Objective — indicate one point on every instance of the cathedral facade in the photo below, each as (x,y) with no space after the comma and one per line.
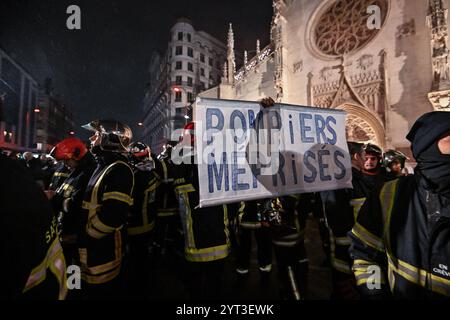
(385,62)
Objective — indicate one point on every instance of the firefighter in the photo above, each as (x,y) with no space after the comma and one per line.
(341,208)
(206,233)
(106,205)
(249,224)
(168,235)
(33,264)
(141,221)
(394,162)
(287,217)
(68,198)
(61,173)
(374,174)
(400,242)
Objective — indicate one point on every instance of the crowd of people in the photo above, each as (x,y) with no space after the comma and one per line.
(111,206)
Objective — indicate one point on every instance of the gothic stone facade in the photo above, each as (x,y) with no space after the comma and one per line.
(384,69)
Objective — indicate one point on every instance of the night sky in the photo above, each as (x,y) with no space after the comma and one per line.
(102,69)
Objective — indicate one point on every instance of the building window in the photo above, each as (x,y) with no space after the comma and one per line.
(177,96)
(178,65)
(190,96)
(179,111)
(210,61)
(178,80)
(202,85)
(190,52)
(202,72)
(179,50)
(180,36)
(190,67)
(218,65)
(189,81)
(202,57)
(189,37)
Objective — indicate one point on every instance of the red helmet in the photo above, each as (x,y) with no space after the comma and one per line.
(189,132)
(70,148)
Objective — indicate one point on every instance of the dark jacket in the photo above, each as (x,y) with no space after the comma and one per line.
(32,263)
(106,206)
(205,229)
(403,230)
(69,196)
(143,212)
(341,208)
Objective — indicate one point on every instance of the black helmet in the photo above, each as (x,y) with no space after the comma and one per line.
(373,148)
(392,155)
(116,136)
(139,151)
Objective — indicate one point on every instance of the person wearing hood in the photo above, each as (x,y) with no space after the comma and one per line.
(401,240)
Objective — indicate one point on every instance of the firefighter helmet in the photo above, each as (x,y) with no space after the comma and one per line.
(116,136)
(70,148)
(373,149)
(391,155)
(139,152)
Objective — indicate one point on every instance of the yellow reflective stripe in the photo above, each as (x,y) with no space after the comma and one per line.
(207,254)
(141,229)
(182,192)
(357,203)
(60,174)
(339,265)
(100,226)
(368,238)
(150,189)
(250,225)
(373,280)
(225,221)
(167,213)
(54,260)
(119,196)
(106,267)
(99,279)
(387,196)
(91,231)
(241,208)
(104,272)
(419,276)
(342,241)
(185,188)
(88,206)
(359,269)
(164,166)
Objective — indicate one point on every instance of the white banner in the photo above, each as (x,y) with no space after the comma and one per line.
(247,152)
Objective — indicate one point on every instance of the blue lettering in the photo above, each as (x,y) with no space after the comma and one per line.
(280,172)
(291,129)
(323,166)
(210,112)
(251,118)
(294,169)
(217,174)
(312,178)
(237,171)
(340,165)
(320,127)
(331,130)
(304,128)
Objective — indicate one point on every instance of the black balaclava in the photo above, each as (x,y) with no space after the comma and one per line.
(435,168)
